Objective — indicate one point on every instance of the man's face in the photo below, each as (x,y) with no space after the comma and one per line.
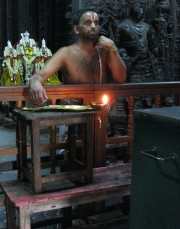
(89,26)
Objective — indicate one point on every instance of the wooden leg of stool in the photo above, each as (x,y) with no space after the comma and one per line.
(88,144)
(72,145)
(10,214)
(24,219)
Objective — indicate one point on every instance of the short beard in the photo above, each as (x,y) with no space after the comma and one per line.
(88,37)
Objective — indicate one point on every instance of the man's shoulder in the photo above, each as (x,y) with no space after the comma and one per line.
(68,49)
(64,49)
(63,52)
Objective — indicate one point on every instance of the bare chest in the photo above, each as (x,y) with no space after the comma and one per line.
(84,69)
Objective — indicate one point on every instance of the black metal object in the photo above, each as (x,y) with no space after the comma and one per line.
(153,154)
(155,178)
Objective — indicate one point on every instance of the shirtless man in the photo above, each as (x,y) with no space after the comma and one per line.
(86,61)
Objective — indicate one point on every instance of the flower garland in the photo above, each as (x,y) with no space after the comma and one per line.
(43,55)
(45,52)
(25,59)
(10,59)
(28,52)
(30,45)
(14,70)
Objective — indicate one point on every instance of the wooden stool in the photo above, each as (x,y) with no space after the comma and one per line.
(72,167)
(108,182)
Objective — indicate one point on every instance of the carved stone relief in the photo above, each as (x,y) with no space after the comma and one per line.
(145,39)
(143,31)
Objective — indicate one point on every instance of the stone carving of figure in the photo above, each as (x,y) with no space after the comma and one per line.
(163,24)
(115,11)
(10,67)
(27,50)
(138,45)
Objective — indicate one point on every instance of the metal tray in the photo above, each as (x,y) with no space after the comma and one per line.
(59,107)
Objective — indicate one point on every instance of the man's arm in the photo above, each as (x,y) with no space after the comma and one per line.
(114,61)
(116,65)
(37,91)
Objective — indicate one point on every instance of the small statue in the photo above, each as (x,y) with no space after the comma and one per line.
(27,51)
(26,59)
(10,67)
(44,55)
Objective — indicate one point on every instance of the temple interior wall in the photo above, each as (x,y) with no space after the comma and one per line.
(52,20)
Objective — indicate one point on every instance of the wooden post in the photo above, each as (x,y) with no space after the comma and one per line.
(130,127)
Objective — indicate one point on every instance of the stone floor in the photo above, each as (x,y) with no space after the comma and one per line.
(8,138)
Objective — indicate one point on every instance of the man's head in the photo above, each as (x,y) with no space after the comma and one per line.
(79,13)
(86,24)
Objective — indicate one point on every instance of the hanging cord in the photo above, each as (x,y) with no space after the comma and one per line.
(100,65)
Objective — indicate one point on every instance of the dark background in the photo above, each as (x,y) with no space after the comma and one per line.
(52,20)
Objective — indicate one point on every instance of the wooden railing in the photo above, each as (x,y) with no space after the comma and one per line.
(94,93)
(21,93)
(91,93)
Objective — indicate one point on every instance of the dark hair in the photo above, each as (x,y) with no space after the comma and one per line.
(79,13)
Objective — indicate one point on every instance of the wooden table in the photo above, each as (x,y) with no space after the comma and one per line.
(108,182)
(72,167)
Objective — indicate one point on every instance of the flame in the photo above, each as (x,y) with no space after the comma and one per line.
(105,99)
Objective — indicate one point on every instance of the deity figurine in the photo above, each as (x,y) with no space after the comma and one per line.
(44,54)
(138,46)
(27,50)
(10,67)
(115,12)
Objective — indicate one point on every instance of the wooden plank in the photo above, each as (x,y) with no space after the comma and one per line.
(57,163)
(43,148)
(8,151)
(2,201)
(107,182)
(124,220)
(119,139)
(6,166)
(64,175)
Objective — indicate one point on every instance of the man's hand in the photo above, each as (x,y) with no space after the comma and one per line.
(104,42)
(114,61)
(37,92)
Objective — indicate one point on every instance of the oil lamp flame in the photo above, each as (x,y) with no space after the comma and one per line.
(105,99)
(98,105)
